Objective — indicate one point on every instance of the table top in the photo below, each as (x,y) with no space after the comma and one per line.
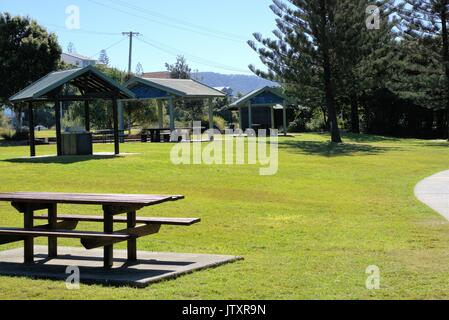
(88,198)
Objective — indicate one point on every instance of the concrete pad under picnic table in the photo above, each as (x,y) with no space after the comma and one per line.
(151,267)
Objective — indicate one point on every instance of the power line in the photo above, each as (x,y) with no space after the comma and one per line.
(175,52)
(177,20)
(177,27)
(111,46)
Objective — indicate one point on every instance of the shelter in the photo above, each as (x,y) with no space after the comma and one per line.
(91,84)
(261,107)
(170,89)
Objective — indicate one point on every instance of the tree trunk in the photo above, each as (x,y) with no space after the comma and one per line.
(445,56)
(330,100)
(355,120)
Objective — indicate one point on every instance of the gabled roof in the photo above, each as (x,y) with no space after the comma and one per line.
(185,88)
(88,77)
(243,101)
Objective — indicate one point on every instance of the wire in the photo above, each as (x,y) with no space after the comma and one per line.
(111,46)
(175,52)
(177,27)
(177,20)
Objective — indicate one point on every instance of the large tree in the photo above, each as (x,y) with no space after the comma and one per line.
(301,56)
(27,53)
(426,22)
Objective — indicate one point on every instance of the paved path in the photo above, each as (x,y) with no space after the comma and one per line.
(434,191)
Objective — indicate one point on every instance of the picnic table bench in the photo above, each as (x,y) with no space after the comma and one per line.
(63,226)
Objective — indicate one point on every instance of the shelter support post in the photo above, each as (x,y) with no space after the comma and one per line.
(284,116)
(240,118)
(116,134)
(172,113)
(160,113)
(211,118)
(121,119)
(250,116)
(273,123)
(32,140)
(86,116)
(58,127)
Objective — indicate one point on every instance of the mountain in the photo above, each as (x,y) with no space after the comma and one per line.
(238,83)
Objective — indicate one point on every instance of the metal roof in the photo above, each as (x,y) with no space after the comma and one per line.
(243,101)
(88,77)
(185,88)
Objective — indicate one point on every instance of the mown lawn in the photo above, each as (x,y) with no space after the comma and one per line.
(309,232)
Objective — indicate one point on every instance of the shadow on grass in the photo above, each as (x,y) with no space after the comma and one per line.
(60,160)
(330,149)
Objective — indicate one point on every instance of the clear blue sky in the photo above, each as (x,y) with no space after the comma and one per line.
(210,33)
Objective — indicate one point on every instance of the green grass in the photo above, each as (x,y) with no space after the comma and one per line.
(307,233)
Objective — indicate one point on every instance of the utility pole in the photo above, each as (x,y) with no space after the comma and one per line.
(130,34)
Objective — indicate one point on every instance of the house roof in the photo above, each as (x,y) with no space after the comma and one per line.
(186,88)
(88,77)
(250,97)
(79,56)
(159,74)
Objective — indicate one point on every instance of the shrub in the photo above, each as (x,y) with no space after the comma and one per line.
(219,122)
(16,136)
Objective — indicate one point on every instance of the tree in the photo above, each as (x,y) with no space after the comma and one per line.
(104,58)
(139,70)
(427,21)
(27,53)
(301,56)
(179,70)
(71,48)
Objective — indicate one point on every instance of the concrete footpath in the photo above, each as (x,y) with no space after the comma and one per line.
(434,192)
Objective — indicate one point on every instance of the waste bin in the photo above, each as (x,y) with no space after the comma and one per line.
(76,144)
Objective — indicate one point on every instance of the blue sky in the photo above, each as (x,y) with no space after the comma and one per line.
(210,33)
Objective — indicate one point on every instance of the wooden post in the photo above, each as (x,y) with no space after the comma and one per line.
(58,127)
(273,123)
(132,243)
(108,251)
(116,133)
(211,118)
(52,222)
(86,116)
(250,116)
(28,245)
(172,114)
(32,140)
(121,121)
(160,113)
(284,116)
(241,118)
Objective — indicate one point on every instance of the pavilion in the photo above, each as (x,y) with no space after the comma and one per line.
(90,83)
(261,108)
(168,90)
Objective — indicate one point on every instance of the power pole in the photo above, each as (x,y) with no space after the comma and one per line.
(130,34)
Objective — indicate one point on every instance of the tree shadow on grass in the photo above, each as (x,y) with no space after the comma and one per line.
(60,160)
(330,149)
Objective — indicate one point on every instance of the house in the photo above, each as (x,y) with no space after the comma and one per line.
(78,60)
(226,90)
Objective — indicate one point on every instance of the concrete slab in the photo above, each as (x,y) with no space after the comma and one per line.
(434,192)
(151,267)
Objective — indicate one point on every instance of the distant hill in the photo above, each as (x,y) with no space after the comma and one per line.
(238,83)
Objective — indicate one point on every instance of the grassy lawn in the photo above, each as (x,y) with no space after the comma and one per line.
(307,233)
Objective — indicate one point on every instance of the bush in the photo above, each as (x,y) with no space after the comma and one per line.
(219,123)
(16,136)
(316,122)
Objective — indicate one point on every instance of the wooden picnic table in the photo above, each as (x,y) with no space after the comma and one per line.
(63,226)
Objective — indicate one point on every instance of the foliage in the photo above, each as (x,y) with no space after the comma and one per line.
(180,69)
(104,58)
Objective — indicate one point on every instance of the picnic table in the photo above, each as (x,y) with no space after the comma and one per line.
(63,226)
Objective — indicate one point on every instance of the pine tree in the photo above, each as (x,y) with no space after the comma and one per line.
(301,56)
(104,58)
(179,70)
(139,70)
(71,48)
(427,21)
